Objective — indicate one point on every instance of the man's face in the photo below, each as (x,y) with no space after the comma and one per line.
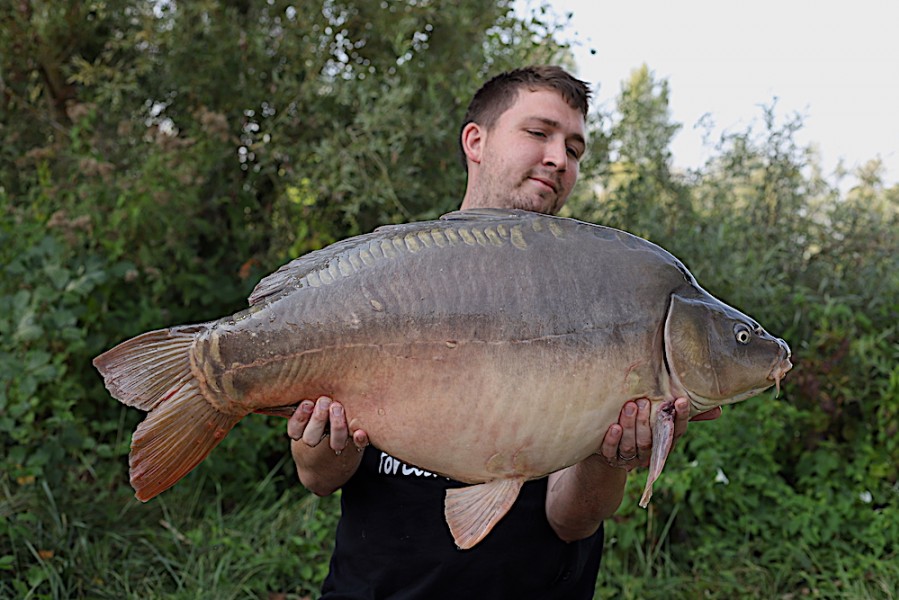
(530,158)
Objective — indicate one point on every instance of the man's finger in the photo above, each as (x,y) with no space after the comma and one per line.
(315,429)
(643,432)
(627,419)
(338,427)
(360,438)
(296,425)
(610,443)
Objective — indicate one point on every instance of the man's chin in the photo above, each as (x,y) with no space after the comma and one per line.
(539,204)
(529,202)
(546,207)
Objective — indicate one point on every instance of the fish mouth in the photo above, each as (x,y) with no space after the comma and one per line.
(781,366)
(778,372)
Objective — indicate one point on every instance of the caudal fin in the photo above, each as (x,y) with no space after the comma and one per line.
(152,372)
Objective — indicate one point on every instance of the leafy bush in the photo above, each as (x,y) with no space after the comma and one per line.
(158,159)
(161,157)
(796,494)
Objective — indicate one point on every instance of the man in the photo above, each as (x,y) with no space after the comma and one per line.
(522,142)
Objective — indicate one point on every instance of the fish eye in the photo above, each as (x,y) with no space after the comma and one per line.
(743,334)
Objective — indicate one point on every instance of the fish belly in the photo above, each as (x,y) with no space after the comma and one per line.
(469,409)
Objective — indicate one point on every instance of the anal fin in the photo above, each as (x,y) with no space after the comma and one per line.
(472,512)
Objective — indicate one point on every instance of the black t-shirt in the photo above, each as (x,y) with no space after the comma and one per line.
(393,543)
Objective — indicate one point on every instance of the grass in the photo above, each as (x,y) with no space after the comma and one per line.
(187,543)
(654,567)
(197,542)
(675,577)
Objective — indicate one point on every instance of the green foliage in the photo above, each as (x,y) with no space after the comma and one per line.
(639,189)
(159,157)
(792,495)
(189,544)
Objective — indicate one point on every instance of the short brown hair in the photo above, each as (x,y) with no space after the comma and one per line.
(499,93)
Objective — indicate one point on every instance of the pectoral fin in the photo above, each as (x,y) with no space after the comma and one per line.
(471,512)
(662,440)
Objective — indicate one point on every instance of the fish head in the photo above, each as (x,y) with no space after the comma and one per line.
(716,355)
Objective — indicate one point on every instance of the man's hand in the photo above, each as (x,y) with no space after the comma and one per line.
(312,422)
(323,468)
(628,443)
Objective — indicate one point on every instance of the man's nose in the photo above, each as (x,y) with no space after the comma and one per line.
(556,155)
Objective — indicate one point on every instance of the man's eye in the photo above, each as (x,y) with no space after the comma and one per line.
(536,133)
(576,153)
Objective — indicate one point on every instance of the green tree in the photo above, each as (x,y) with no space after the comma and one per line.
(783,481)
(639,192)
(158,158)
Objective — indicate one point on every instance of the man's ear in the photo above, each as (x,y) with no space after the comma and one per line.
(473,142)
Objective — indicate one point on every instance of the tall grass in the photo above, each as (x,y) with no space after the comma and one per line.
(792,573)
(195,542)
(187,543)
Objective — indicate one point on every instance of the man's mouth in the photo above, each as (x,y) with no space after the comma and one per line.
(546,182)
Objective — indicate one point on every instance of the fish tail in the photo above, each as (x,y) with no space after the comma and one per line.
(152,372)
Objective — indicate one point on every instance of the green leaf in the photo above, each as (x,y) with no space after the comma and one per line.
(27,328)
(58,275)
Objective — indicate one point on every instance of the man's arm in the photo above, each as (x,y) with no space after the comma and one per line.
(323,468)
(581,496)
(574,514)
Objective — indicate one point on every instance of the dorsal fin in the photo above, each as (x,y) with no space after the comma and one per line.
(285,277)
(291,273)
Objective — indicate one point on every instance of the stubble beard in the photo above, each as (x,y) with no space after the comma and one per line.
(499,194)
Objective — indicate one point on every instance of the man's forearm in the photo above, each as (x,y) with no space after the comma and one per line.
(580,497)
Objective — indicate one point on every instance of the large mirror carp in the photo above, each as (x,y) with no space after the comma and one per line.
(490,346)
